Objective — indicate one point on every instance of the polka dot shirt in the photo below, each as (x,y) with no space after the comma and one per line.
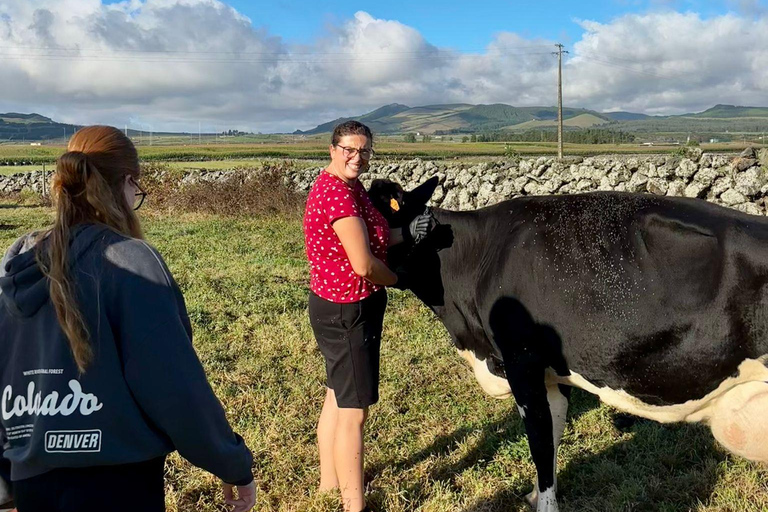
(331,274)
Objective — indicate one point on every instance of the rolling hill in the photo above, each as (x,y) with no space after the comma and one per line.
(466,118)
(26,127)
(731,112)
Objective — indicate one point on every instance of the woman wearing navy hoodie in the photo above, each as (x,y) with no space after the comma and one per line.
(98,375)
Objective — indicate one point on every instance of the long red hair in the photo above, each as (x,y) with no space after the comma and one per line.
(86,188)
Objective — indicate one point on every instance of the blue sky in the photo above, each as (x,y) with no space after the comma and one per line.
(174,64)
(467,26)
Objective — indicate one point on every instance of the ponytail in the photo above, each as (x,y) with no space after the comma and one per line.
(87,187)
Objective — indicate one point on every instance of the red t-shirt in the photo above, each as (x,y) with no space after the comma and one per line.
(332,277)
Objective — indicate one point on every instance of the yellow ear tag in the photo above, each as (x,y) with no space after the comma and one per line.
(393,204)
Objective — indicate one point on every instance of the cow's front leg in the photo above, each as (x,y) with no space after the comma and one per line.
(543,409)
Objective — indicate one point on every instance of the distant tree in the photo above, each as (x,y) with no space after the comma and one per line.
(473,138)
(426,138)
(410,137)
(464,139)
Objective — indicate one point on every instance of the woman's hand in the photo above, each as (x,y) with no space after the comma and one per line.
(418,228)
(246,496)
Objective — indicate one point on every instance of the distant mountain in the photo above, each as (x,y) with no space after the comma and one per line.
(625,116)
(376,120)
(17,127)
(462,117)
(466,118)
(387,110)
(731,111)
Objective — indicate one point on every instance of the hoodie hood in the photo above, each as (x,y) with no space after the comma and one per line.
(23,286)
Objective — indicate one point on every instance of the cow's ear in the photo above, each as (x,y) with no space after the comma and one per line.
(421,194)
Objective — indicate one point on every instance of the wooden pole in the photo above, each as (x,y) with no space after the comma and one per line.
(559,54)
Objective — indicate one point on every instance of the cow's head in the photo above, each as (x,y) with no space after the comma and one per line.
(400,207)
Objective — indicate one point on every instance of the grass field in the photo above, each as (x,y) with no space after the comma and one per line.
(319,149)
(200,164)
(435,442)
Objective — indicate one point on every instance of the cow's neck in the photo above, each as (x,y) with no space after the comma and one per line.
(453,272)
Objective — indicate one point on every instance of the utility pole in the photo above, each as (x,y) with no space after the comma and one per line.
(559,54)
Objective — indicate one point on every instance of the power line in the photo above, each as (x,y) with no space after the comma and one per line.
(287,59)
(263,53)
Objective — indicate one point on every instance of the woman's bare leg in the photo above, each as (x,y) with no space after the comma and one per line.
(326,435)
(348,454)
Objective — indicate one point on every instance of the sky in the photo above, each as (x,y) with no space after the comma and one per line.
(279,66)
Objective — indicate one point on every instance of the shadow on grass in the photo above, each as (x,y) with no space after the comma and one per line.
(6,206)
(493,436)
(659,468)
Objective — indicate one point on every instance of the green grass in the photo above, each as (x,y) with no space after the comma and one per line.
(435,442)
(219,157)
(31,158)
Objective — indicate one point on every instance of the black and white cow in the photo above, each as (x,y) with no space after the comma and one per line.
(657,305)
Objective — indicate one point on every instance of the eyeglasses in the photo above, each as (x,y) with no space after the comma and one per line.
(365,154)
(139,196)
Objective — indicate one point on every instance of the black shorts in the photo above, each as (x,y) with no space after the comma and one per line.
(119,488)
(349,337)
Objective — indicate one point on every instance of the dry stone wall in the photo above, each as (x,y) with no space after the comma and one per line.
(739,182)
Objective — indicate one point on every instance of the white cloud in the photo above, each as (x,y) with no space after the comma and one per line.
(172,63)
(670,63)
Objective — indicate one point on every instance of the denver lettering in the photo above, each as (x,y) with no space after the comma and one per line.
(34,404)
(73,441)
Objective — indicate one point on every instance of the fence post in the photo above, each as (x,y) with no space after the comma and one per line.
(44,193)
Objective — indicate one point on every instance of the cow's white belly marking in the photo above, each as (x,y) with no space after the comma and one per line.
(750,370)
(495,386)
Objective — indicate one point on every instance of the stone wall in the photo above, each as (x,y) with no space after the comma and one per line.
(740,182)
(25,181)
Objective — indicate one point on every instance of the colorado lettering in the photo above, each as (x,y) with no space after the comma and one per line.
(35,404)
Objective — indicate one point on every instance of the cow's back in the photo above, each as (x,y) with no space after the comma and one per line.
(661,297)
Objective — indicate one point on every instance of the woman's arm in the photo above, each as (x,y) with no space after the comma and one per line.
(354,238)
(148,315)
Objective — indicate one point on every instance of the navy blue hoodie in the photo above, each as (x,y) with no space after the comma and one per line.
(144,395)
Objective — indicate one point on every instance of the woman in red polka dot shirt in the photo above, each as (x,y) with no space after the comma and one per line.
(346,241)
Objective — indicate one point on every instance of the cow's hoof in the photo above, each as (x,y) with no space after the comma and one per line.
(547,501)
(532,498)
(740,421)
